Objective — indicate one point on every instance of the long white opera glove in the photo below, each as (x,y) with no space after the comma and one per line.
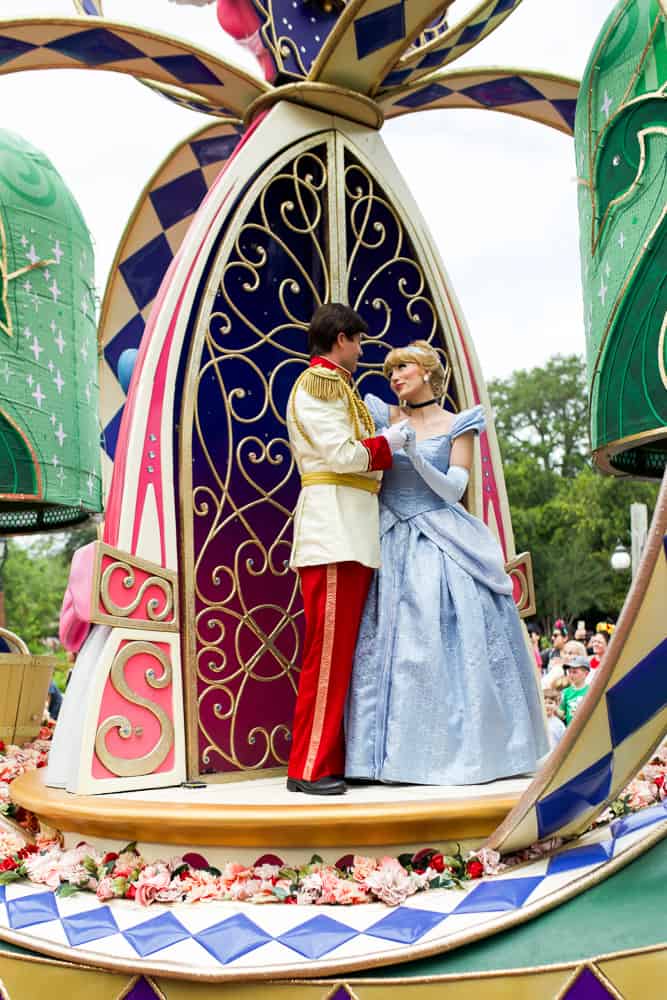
(398,435)
(450,485)
(194,3)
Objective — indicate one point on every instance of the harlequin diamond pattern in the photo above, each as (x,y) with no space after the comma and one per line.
(455,42)
(141,272)
(534,97)
(306,935)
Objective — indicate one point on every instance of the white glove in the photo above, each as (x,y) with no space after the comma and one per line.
(194,3)
(398,435)
(450,485)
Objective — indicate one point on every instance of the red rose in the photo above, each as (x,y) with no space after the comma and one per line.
(3,746)
(26,851)
(41,763)
(8,865)
(437,862)
(659,781)
(474,869)
(109,856)
(131,892)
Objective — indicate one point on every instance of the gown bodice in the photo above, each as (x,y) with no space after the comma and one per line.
(404,492)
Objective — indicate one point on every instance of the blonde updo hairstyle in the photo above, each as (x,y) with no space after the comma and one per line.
(421,353)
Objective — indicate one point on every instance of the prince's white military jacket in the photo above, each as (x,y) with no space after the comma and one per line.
(339,460)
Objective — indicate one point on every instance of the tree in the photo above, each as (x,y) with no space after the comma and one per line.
(564,512)
(543,413)
(34,578)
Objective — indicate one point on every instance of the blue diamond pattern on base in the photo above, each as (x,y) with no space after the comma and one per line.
(317,937)
(3,888)
(95,47)
(503,5)
(91,925)
(586,789)
(507,90)
(232,938)
(433,58)
(494,897)
(144,270)
(33,909)
(579,857)
(638,696)
(636,821)
(405,925)
(155,934)
(375,31)
(180,198)
(188,69)
(424,96)
(11,48)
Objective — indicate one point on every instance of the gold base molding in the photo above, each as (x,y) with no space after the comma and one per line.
(304,824)
(322,97)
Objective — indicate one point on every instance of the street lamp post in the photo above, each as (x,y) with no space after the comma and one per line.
(620,558)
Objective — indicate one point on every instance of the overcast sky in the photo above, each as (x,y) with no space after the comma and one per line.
(499,192)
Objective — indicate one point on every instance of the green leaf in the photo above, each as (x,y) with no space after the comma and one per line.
(67,889)
(280,892)
(179,871)
(213,871)
(316,860)
(130,848)
(12,876)
(405,860)
(90,865)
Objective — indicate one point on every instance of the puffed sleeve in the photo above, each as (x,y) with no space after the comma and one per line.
(468,420)
(378,409)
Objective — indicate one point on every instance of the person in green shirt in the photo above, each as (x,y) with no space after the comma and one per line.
(577,671)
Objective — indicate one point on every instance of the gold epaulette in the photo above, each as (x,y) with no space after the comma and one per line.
(322,383)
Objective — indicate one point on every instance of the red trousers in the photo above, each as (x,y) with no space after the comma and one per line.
(333,600)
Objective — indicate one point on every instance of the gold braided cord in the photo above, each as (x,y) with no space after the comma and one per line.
(329,385)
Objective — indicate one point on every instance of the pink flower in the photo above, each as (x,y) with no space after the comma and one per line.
(641,793)
(391,883)
(105,888)
(233,870)
(362,867)
(201,885)
(244,889)
(43,868)
(346,893)
(151,880)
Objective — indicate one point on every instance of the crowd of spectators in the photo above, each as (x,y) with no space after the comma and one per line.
(567,665)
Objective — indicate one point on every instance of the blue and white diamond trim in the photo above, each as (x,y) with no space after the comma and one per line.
(235,940)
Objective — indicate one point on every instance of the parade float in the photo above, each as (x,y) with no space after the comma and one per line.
(187,620)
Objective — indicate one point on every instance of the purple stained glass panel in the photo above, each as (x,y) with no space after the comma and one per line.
(141,990)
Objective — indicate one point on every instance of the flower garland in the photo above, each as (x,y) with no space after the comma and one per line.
(353,879)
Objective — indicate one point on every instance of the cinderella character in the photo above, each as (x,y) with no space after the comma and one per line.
(443,689)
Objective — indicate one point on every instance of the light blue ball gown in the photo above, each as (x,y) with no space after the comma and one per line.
(443,690)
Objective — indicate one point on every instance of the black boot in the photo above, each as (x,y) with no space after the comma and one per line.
(323,786)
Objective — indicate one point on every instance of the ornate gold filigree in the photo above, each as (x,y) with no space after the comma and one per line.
(161,612)
(148,763)
(155,613)
(290,227)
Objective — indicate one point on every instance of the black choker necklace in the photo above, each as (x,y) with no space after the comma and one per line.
(418,406)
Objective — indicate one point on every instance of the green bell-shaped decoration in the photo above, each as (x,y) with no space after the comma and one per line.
(49,440)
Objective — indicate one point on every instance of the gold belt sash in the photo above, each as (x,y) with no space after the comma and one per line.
(341,479)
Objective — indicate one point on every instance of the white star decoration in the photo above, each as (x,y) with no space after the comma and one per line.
(27,333)
(602,293)
(53,419)
(24,240)
(60,342)
(32,255)
(6,373)
(59,382)
(36,349)
(55,291)
(60,434)
(621,240)
(90,484)
(29,380)
(606,105)
(60,475)
(607,269)
(57,251)
(84,352)
(38,396)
